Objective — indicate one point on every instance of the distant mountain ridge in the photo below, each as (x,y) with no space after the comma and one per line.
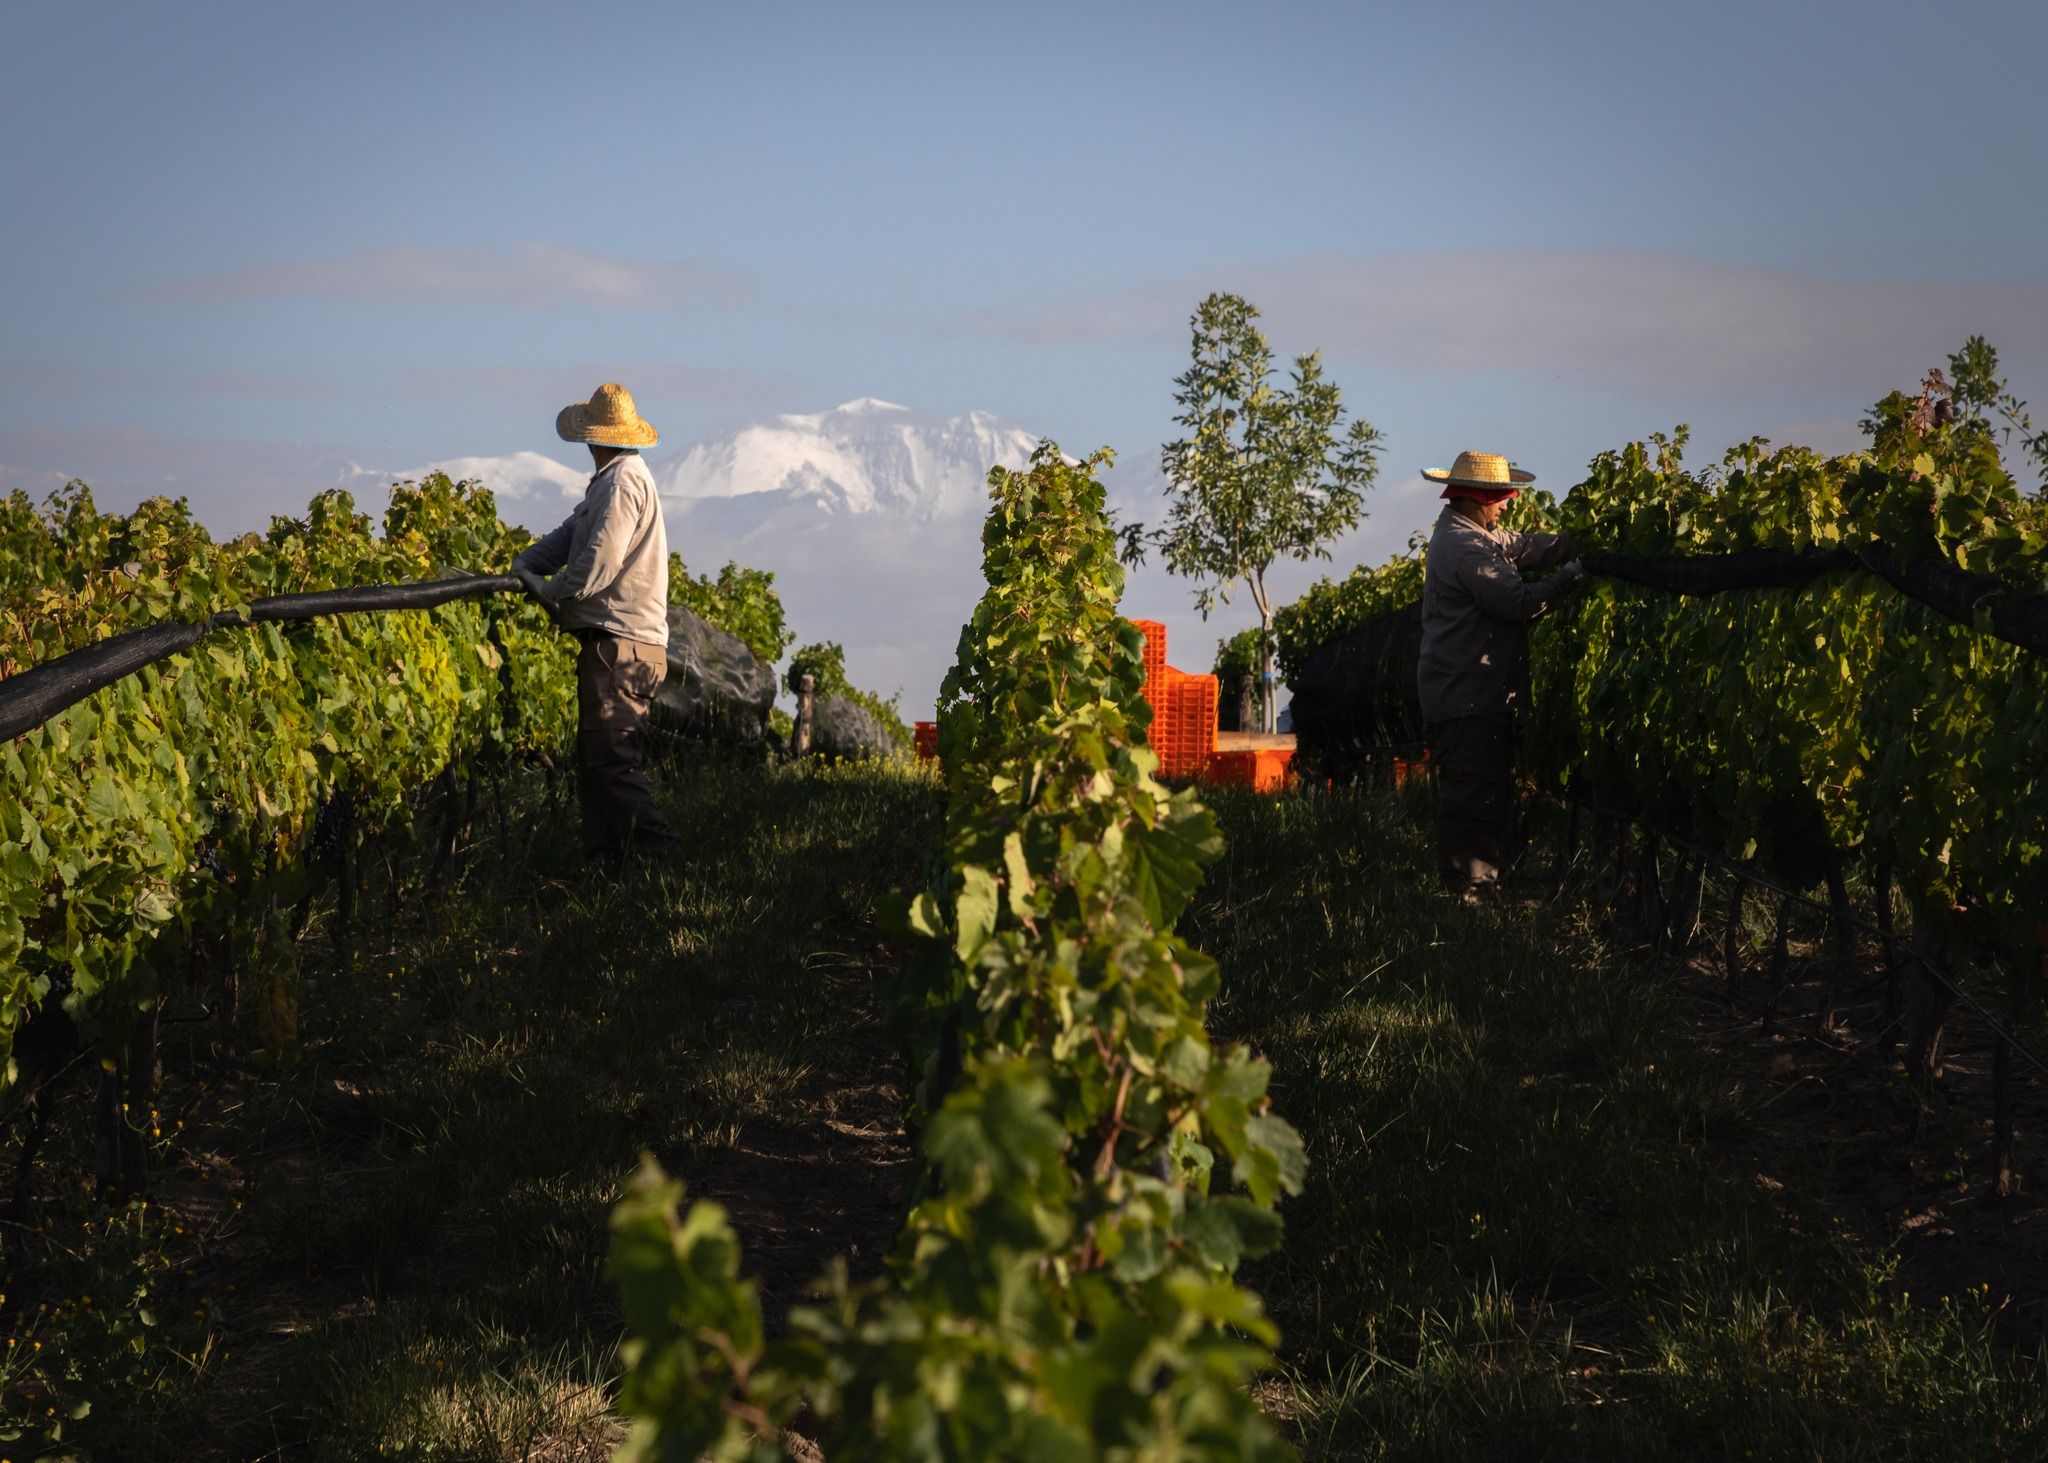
(865,456)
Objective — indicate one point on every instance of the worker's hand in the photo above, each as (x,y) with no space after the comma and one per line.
(1571,575)
(537,587)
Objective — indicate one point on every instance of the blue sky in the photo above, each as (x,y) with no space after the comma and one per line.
(244,243)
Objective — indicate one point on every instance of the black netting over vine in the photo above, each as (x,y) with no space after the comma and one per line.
(1957,593)
(1707,574)
(845,728)
(1356,697)
(35,695)
(716,686)
(423,595)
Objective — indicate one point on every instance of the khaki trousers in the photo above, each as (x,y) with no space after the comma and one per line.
(615,684)
(1475,799)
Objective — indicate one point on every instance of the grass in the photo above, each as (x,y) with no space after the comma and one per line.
(404,1236)
(1528,1231)
(1534,1226)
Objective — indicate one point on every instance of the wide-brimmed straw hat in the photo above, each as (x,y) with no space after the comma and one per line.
(608,419)
(1485,472)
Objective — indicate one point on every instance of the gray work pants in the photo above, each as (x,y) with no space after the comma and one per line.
(1474,757)
(616,680)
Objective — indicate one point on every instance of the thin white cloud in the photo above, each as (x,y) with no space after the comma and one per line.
(529,275)
(649,381)
(1633,321)
(58,379)
(670,384)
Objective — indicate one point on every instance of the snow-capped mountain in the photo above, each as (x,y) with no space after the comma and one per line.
(528,477)
(529,485)
(866,456)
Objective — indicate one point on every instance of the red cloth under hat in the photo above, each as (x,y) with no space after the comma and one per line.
(1479,495)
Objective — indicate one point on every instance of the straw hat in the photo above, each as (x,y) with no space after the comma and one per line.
(1484,471)
(606,420)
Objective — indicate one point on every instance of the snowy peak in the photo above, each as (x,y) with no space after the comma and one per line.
(865,404)
(863,456)
(527,484)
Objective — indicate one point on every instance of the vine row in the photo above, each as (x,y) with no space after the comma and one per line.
(1091,1170)
(1815,667)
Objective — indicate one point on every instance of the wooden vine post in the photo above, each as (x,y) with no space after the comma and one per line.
(806,715)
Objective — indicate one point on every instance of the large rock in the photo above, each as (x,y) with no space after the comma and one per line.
(842,727)
(716,687)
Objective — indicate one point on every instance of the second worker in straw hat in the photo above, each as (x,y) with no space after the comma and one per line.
(608,586)
(1474,668)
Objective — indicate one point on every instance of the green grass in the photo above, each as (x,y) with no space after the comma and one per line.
(415,1266)
(1523,1234)
(1531,1228)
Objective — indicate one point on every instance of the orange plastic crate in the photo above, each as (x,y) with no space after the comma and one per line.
(1159,689)
(926,736)
(1155,652)
(1263,770)
(1185,734)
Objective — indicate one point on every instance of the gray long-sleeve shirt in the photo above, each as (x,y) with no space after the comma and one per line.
(608,564)
(1476,609)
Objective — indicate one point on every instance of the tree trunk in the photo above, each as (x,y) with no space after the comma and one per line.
(2005,1179)
(1731,930)
(1781,940)
(1269,695)
(1894,1011)
(1839,945)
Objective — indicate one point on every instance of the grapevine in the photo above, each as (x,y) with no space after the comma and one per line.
(1092,1169)
(195,801)
(1806,664)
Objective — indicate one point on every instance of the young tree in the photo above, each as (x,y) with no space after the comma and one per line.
(1978,391)
(1264,472)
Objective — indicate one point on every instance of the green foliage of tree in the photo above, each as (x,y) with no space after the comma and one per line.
(1263,473)
(1092,1167)
(1242,654)
(740,600)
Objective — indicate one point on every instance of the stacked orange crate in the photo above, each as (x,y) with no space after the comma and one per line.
(1163,691)
(1195,717)
(1155,658)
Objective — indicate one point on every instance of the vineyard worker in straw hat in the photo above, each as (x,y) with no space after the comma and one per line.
(1474,667)
(607,584)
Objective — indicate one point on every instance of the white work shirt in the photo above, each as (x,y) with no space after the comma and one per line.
(608,564)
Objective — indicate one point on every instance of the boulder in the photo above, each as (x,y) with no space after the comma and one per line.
(716,686)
